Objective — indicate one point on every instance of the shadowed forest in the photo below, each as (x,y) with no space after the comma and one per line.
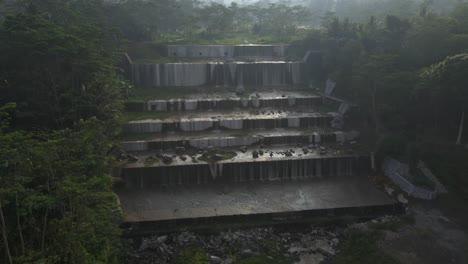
(62,95)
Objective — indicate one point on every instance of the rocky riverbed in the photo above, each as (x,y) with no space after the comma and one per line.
(279,244)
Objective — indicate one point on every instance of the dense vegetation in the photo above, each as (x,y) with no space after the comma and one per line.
(60,102)
(404,62)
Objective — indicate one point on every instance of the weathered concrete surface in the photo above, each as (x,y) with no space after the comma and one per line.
(218,73)
(232,120)
(271,153)
(222,51)
(207,201)
(219,138)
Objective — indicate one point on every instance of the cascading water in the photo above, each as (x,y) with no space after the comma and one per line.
(244,171)
(198,74)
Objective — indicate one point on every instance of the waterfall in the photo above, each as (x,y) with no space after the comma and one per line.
(245,102)
(231,123)
(143,126)
(224,142)
(135,145)
(195,124)
(294,122)
(190,105)
(157,105)
(232,70)
(255,102)
(197,74)
(340,136)
(317,138)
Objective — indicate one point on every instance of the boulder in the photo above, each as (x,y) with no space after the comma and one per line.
(243,149)
(255,154)
(215,260)
(132,158)
(167,159)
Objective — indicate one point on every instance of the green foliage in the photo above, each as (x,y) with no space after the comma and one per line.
(57,73)
(56,199)
(448,163)
(191,255)
(190,22)
(361,247)
(56,195)
(395,146)
(5,116)
(215,155)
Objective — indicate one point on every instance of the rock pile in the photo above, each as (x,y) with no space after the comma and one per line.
(220,248)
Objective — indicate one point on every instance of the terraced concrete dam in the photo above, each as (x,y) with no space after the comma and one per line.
(268,154)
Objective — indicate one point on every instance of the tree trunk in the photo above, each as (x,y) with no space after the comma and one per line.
(20,231)
(5,239)
(44,228)
(460,130)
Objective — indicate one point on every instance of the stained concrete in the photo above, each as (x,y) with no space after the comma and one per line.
(277,153)
(204,201)
(220,138)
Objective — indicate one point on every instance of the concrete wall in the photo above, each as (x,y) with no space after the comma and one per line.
(219,142)
(221,51)
(202,124)
(260,219)
(258,171)
(230,74)
(221,104)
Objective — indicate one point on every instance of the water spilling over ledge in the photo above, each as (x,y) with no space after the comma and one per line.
(311,167)
(218,73)
(207,158)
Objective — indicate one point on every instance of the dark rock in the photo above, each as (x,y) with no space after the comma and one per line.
(132,158)
(260,152)
(167,159)
(255,154)
(122,156)
(183,158)
(162,239)
(288,154)
(243,149)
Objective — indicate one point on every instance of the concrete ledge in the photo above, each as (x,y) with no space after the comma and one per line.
(156,209)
